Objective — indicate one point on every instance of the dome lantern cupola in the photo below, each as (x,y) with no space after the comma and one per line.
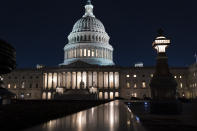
(89,9)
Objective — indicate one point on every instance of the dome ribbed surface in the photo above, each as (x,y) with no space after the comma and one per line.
(88,24)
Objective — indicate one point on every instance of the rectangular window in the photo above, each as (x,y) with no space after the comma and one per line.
(81,52)
(143,84)
(84,52)
(127,76)
(75,53)
(135,85)
(8,86)
(116,94)
(128,85)
(88,53)
(181,85)
(96,53)
(93,53)
(134,76)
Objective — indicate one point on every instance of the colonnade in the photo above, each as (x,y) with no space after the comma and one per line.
(83,80)
(74,80)
(88,53)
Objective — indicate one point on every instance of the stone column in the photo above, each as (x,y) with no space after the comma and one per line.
(52,81)
(114,80)
(71,75)
(87,80)
(92,80)
(108,81)
(57,79)
(47,81)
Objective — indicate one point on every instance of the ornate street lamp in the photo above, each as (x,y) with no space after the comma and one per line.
(163,85)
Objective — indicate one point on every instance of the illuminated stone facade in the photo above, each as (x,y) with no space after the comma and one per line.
(109,81)
(88,68)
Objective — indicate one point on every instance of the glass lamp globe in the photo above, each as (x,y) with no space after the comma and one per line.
(161,42)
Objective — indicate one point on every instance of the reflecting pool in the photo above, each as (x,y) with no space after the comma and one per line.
(113,116)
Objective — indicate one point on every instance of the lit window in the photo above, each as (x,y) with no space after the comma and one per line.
(1,78)
(175,77)
(106,95)
(151,75)
(135,85)
(49,95)
(128,85)
(89,53)
(75,53)
(15,86)
(116,94)
(23,85)
(180,77)
(111,96)
(100,95)
(143,84)
(8,86)
(181,85)
(84,52)
(28,94)
(93,53)
(81,52)
(127,76)
(96,53)
(134,76)
(134,94)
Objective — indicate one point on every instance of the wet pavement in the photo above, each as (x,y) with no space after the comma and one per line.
(112,116)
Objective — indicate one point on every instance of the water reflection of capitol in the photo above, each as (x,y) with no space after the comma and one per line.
(113,116)
(88,70)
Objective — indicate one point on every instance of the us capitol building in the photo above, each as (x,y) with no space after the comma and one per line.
(88,71)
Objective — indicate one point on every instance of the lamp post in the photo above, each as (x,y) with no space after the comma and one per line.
(163,85)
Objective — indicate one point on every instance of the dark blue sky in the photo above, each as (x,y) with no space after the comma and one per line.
(38,29)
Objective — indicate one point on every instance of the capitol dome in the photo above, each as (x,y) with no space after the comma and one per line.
(88,41)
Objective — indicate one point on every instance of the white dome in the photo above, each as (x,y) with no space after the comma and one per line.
(88,24)
(88,41)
